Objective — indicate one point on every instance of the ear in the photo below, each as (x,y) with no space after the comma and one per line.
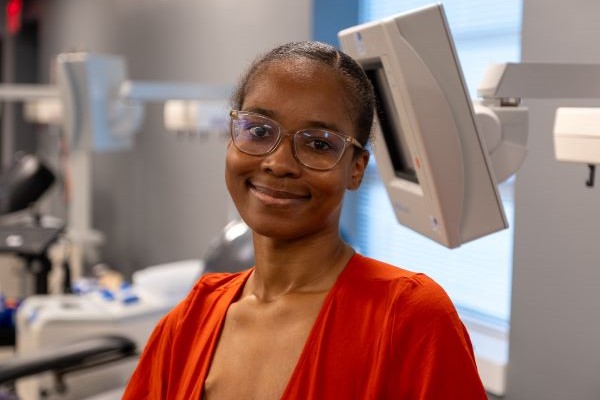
(359,164)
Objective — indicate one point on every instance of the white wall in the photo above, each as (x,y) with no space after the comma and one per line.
(554,351)
(166,199)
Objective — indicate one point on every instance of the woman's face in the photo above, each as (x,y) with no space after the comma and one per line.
(276,195)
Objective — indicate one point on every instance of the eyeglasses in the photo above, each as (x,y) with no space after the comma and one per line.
(315,148)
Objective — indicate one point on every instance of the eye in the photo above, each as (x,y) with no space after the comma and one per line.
(259,131)
(320,142)
(320,145)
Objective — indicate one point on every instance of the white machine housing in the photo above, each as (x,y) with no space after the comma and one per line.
(430,155)
(96,117)
(50,321)
(577,134)
(576,129)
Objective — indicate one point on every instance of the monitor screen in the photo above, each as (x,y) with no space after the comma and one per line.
(428,149)
(396,144)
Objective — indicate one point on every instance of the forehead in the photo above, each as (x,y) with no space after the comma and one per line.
(300,89)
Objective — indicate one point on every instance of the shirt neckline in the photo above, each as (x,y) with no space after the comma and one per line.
(310,340)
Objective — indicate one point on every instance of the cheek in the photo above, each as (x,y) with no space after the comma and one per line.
(238,167)
(232,167)
(331,188)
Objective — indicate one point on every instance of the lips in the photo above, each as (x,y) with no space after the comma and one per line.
(274,196)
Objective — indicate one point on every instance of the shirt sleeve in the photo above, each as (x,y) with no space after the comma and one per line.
(150,379)
(432,352)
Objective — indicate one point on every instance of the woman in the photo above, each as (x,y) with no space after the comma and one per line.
(312,319)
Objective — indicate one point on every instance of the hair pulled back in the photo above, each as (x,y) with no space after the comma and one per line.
(358,88)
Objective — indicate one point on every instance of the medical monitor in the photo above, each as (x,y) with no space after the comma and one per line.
(429,153)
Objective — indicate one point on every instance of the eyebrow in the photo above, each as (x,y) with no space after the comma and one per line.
(324,125)
(309,124)
(261,111)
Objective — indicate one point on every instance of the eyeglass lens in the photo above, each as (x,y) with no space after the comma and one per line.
(258,135)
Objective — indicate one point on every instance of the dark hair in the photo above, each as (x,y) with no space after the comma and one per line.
(359,90)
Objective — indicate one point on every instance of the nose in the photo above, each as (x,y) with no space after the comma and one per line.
(281,162)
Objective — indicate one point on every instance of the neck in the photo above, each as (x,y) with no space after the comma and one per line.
(300,266)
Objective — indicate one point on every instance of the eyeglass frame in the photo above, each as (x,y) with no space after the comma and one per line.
(347,140)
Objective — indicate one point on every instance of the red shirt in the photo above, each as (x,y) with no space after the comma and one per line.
(382,333)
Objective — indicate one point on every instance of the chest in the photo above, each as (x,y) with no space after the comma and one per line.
(259,348)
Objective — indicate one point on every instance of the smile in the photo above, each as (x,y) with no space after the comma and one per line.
(276,197)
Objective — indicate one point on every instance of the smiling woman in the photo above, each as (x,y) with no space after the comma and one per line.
(308,200)
(312,319)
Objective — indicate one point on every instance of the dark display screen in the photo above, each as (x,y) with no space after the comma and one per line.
(390,124)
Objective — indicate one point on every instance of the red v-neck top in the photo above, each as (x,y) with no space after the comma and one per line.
(382,333)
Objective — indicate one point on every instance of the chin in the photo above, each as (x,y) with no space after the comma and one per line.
(275,230)
(286,228)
